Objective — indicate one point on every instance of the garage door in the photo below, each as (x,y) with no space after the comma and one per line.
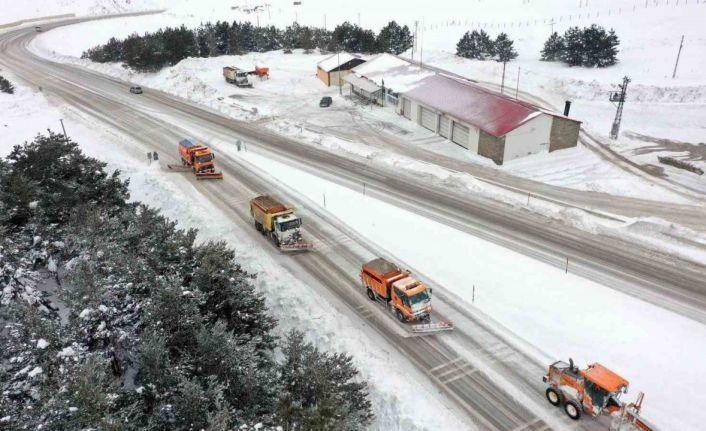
(429,119)
(460,135)
(445,127)
(407,109)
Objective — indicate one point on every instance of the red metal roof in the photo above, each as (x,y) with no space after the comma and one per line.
(491,112)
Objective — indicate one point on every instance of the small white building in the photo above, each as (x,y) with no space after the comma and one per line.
(486,122)
(332,69)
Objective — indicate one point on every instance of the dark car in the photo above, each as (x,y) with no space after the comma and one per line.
(325,102)
(38,28)
(136,90)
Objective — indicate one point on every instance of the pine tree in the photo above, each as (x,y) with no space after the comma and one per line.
(504,48)
(306,40)
(601,47)
(468,47)
(309,398)
(554,48)
(394,39)
(486,45)
(574,51)
(234,39)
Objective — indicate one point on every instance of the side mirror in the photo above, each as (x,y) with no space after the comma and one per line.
(431,291)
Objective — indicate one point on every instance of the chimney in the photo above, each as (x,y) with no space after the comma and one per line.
(567,108)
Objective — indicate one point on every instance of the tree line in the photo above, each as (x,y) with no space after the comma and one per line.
(158,331)
(166,47)
(478,45)
(590,47)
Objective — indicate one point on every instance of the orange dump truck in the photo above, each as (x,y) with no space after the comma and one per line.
(198,158)
(407,297)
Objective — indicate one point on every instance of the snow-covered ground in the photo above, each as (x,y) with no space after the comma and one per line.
(396,386)
(564,315)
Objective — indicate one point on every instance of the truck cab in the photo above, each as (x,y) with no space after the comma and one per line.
(287,228)
(203,160)
(412,297)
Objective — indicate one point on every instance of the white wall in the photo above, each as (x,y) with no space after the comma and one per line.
(530,138)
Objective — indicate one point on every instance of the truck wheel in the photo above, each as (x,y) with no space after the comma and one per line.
(553,397)
(572,410)
(258,227)
(400,316)
(275,240)
(371,295)
(183,162)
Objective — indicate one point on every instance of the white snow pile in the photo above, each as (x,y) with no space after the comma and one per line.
(42,344)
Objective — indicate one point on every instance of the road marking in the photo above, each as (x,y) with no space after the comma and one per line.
(463,374)
(457,368)
(438,367)
(529,424)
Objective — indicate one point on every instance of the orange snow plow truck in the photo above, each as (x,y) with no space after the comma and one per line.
(409,299)
(198,158)
(594,391)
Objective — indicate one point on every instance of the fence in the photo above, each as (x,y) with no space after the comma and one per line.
(562,18)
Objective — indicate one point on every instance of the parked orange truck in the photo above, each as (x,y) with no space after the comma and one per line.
(278,222)
(198,158)
(408,298)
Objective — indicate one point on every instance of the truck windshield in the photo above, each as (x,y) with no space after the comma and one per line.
(419,297)
(292,224)
(204,159)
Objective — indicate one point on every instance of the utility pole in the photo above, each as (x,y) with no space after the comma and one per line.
(502,84)
(517,90)
(66,138)
(340,87)
(674,75)
(619,97)
(414,43)
(552,22)
(421,47)
(324,21)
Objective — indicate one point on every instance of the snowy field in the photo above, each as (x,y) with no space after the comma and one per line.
(561,314)
(395,385)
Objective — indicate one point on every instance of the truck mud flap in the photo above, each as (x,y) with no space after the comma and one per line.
(427,328)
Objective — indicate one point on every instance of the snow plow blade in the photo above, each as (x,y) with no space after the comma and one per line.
(209,175)
(428,328)
(290,248)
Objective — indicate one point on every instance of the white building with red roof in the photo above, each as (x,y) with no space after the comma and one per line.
(485,122)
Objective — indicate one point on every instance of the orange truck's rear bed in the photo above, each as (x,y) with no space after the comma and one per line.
(379,274)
